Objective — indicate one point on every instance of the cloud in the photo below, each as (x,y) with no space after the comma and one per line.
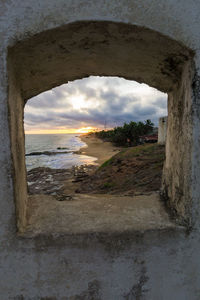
(92,102)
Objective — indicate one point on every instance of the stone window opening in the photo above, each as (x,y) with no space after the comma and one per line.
(57,56)
(47,179)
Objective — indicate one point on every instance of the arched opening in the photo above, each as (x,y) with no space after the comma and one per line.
(126,171)
(113,110)
(81,49)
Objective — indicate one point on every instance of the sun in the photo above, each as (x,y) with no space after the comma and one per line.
(79,102)
(86,129)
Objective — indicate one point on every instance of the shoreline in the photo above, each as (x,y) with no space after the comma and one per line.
(97,148)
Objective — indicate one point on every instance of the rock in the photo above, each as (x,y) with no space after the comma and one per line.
(64,197)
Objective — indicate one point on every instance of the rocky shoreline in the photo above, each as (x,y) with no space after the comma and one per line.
(133,170)
(48,153)
(57,182)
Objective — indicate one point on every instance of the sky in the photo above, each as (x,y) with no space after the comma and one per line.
(93,103)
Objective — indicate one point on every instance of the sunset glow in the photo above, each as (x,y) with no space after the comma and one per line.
(61,131)
(86,129)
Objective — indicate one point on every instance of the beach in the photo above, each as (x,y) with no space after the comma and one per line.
(97,148)
(63,181)
(133,170)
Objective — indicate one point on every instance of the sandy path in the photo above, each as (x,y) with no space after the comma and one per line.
(97,148)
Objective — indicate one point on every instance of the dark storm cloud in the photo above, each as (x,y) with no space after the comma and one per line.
(31,118)
(113,103)
(48,100)
(55,109)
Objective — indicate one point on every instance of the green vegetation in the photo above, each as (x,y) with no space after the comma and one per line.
(108,185)
(128,134)
(106,163)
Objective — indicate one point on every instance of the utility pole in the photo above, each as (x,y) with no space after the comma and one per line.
(105,125)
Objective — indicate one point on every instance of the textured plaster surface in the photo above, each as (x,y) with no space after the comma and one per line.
(162,130)
(96,214)
(97,48)
(179,20)
(177,181)
(15,115)
(144,265)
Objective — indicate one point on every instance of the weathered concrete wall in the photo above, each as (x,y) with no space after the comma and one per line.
(177,170)
(16,114)
(154,265)
(138,265)
(162,130)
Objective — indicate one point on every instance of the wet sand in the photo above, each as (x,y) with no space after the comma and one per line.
(97,148)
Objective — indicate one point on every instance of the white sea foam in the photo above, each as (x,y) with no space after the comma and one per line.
(55,143)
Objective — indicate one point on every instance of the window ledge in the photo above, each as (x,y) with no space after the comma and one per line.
(108,214)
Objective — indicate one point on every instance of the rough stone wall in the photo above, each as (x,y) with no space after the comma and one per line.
(7,220)
(177,170)
(162,131)
(16,116)
(141,265)
(195,161)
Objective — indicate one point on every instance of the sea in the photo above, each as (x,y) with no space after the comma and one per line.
(55,151)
